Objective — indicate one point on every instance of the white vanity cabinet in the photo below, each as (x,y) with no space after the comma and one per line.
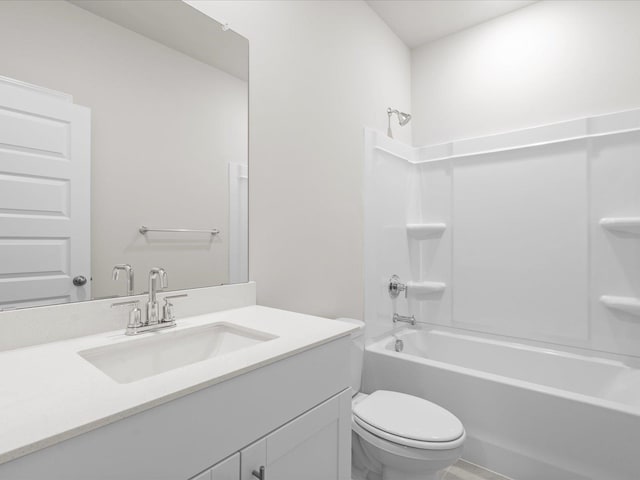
(228,469)
(314,446)
(291,416)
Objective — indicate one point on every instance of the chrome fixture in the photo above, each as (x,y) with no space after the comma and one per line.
(124,267)
(167,309)
(403,119)
(155,317)
(398,345)
(135,316)
(406,319)
(395,287)
(144,230)
(156,275)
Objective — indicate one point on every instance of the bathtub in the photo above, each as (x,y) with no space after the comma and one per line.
(530,413)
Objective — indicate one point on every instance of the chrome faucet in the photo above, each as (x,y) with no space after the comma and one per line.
(124,267)
(394,288)
(154,313)
(411,319)
(156,317)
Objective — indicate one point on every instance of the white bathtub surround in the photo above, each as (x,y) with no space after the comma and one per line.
(56,394)
(530,412)
(533,234)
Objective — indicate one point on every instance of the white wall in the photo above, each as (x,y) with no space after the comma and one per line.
(548,62)
(319,72)
(157,159)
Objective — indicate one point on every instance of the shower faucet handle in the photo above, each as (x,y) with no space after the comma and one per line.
(396,286)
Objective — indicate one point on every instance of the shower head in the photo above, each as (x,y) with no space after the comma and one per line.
(403,119)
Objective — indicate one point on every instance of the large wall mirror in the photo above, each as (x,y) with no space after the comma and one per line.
(114,116)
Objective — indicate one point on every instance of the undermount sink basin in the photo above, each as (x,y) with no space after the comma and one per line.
(159,352)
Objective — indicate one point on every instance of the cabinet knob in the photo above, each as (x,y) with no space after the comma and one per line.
(80,280)
(260,475)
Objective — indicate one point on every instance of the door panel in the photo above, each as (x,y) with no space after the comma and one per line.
(314,446)
(252,458)
(44,197)
(228,469)
(316,458)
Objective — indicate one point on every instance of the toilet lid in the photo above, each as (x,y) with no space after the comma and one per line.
(409,417)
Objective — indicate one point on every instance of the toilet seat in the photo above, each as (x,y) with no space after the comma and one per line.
(408,421)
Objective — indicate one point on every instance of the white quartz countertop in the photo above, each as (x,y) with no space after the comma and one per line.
(49,393)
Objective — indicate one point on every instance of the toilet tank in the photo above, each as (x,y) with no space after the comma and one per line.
(357,353)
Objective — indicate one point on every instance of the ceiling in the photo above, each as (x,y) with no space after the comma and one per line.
(417,22)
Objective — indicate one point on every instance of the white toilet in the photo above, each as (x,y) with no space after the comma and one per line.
(398,436)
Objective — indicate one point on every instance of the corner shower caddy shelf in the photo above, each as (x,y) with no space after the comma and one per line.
(621,224)
(419,290)
(420,231)
(629,305)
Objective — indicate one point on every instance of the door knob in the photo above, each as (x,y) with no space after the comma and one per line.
(80,280)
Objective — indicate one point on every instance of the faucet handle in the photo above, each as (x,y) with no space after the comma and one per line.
(135,315)
(167,309)
(395,287)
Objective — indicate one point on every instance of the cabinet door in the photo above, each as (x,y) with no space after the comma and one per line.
(228,469)
(314,446)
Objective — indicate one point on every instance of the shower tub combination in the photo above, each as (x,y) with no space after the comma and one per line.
(531,413)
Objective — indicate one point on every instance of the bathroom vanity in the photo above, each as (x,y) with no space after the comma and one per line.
(157,98)
(245,393)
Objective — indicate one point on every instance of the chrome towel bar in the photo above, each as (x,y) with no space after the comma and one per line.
(143,230)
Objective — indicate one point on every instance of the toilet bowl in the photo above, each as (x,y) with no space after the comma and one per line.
(411,438)
(396,436)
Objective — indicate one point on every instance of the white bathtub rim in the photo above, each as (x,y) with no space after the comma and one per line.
(379,347)
(517,345)
(628,360)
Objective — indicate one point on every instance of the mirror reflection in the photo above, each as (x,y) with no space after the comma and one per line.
(123,141)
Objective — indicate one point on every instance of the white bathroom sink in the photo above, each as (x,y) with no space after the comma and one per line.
(159,352)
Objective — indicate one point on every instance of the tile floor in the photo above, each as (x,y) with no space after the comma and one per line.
(462,470)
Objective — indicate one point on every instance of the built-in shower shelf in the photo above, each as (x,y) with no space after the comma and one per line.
(622,224)
(421,231)
(626,304)
(422,290)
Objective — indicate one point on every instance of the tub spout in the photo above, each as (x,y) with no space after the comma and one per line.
(401,318)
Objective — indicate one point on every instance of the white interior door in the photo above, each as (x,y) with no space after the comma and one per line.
(44,197)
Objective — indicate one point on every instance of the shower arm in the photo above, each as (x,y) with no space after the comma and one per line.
(389,113)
